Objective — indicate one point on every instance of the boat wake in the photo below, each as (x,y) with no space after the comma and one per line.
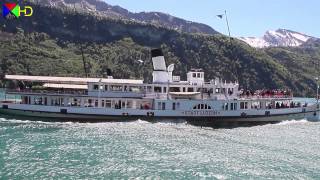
(5,120)
(290,122)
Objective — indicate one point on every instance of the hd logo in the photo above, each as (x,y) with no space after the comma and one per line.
(13,10)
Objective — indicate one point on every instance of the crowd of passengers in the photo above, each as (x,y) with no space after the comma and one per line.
(266,93)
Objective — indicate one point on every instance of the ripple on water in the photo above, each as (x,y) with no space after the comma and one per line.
(167,150)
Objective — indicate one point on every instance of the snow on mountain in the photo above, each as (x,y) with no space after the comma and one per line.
(280,37)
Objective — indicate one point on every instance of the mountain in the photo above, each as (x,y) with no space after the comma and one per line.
(280,37)
(157,18)
(54,41)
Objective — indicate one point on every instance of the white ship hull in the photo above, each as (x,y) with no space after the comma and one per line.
(199,117)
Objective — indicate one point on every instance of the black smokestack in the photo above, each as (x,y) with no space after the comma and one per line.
(156,52)
(109,72)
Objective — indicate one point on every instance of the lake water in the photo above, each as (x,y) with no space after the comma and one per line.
(143,150)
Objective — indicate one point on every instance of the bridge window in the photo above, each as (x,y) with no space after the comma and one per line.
(157,89)
(202,106)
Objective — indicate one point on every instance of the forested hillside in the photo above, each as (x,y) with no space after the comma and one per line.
(50,43)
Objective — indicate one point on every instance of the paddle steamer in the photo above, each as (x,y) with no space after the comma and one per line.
(167,97)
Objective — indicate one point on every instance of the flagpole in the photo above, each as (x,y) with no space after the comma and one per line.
(225,13)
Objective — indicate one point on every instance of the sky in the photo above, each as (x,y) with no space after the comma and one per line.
(247,18)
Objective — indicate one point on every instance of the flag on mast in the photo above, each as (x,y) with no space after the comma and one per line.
(220,16)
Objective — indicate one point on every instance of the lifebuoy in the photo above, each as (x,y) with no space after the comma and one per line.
(150,114)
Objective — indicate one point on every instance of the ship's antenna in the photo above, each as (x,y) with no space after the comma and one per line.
(225,13)
(317,79)
(227,22)
(317,82)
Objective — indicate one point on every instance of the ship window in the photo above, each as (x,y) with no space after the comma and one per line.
(243,105)
(194,75)
(157,89)
(129,104)
(163,106)
(116,88)
(102,103)
(269,105)
(96,103)
(198,75)
(255,105)
(190,89)
(165,89)
(202,106)
(159,105)
(106,87)
(149,88)
(174,89)
(230,91)
(225,106)
(174,106)
(231,107)
(108,103)
(96,87)
(217,90)
(135,89)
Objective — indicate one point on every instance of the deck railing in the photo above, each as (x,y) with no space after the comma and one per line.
(38,91)
(266,97)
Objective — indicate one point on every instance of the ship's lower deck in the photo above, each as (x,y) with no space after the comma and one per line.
(196,118)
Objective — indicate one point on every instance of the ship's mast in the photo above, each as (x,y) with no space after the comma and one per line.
(317,80)
(225,12)
(81,47)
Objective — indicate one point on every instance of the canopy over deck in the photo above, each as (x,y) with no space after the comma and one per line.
(71,80)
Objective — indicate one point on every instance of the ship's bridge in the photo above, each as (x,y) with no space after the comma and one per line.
(195,77)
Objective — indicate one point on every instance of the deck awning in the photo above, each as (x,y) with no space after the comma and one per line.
(71,80)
